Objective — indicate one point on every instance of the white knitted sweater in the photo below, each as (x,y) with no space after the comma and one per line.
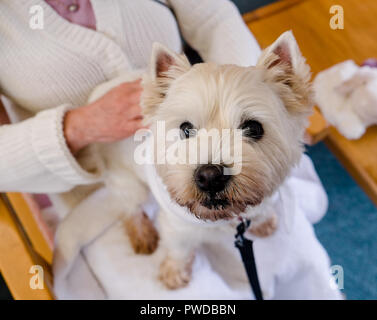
(51,70)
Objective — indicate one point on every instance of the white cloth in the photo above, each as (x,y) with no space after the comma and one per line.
(94,259)
(347,96)
(47,71)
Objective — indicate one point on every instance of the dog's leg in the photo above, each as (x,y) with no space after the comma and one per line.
(180,242)
(121,178)
(264,228)
(126,187)
(129,189)
(142,233)
(175,272)
(139,228)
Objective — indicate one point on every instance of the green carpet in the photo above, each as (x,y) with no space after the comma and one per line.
(348,231)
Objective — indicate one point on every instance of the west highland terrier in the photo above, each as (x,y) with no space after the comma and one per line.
(269,104)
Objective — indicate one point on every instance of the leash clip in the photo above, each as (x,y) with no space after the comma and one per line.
(241,229)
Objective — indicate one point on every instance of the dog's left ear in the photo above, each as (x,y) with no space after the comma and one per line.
(288,72)
(165,67)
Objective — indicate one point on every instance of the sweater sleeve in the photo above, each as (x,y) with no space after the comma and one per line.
(35,157)
(216,30)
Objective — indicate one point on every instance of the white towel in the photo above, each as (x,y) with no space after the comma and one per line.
(347,97)
(94,260)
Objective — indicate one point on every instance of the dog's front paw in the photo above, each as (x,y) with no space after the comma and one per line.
(266,228)
(142,234)
(175,274)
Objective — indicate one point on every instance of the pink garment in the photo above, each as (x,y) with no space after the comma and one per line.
(43,200)
(76,11)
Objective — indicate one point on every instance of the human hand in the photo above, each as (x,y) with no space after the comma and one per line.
(115,116)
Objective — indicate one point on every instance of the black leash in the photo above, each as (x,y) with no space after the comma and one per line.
(245,246)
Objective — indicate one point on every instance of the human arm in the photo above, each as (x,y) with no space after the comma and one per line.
(37,155)
(216,30)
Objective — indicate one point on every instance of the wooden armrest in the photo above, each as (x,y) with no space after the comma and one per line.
(268,10)
(318,128)
(30,217)
(17,257)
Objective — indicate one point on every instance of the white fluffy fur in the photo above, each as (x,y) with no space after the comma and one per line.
(347,97)
(276,92)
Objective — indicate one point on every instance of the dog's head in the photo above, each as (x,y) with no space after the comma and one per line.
(268,103)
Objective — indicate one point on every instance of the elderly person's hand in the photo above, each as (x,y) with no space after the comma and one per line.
(115,116)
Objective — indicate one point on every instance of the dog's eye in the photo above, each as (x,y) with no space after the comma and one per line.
(187,130)
(252,129)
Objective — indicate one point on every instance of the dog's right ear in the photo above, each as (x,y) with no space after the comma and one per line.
(289,72)
(165,67)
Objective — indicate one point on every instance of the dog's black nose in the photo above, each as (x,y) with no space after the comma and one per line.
(210,178)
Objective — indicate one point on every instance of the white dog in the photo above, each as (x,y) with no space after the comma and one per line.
(199,203)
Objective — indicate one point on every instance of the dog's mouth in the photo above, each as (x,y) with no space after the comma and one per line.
(215,203)
(216,208)
(224,205)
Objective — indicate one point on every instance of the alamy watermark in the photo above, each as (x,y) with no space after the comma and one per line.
(37,278)
(337,280)
(200,147)
(36,21)
(337,19)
